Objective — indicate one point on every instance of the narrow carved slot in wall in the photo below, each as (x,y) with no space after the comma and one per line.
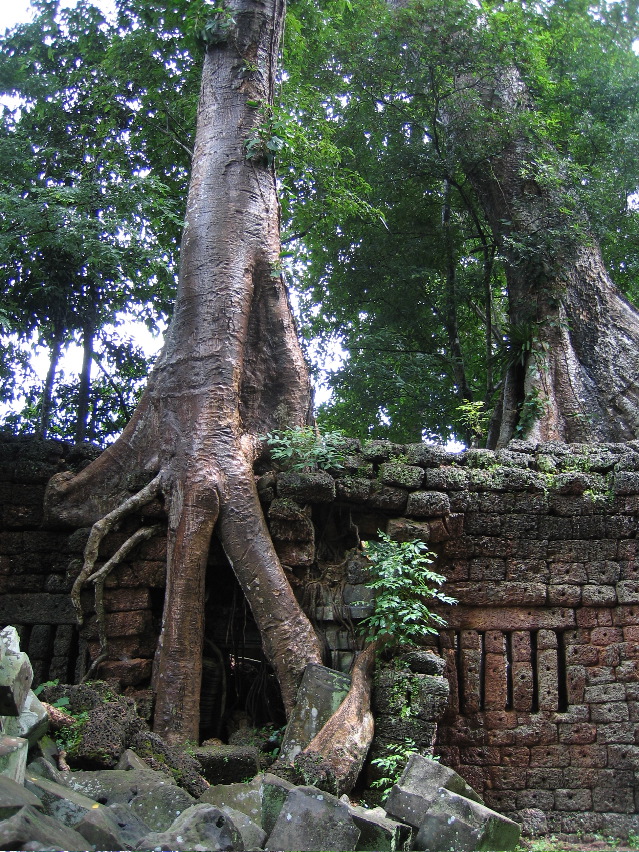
(562,673)
(534,702)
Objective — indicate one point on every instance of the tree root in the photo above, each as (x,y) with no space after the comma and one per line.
(87,574)
(335,756)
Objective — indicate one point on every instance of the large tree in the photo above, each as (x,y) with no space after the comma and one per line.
(231,369)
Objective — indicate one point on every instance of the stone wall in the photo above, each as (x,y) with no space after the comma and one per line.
(538,545)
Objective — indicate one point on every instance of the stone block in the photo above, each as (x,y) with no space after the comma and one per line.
(402,475)
(13,757)
(227,764)
(14,796)
(306,487)
(427,504)
(111,828)
(616,799)
(16,676)
(412,796)
(406,529)
(573,800)
(197,827)
(246,798)
(321,692)
(37,609)
(30,826)
(378,833)
(454,822)
(275,791)
(31,724)
(312,819)
(59,801)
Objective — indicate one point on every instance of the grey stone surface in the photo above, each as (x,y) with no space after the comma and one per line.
(458,824)
(100,828)
(130,760)
(379,833)
(62,803)
(30,826)
(14,796)
(13,757)
(130,826)
(412,797)
(161,806)
(227,764)
(253,835)
(275,791)
(16,676)
(31,724)
(200,827)
(116,786)
(246,798)
(321,692)
(311,820)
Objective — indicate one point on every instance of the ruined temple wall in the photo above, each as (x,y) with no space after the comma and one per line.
(538,543)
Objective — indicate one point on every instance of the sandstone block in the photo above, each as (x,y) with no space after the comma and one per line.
(412,796)
(427,504)
(312,819)
(13,757)
(321,692)
(454,822)
(198,827)
(29,826)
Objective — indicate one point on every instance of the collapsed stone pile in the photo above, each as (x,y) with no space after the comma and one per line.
(44,805)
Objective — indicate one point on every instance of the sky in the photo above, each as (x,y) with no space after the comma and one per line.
(14,12)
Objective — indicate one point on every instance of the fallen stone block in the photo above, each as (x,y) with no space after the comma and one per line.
(14,796)
(45,768)
(458,824)
(101,829)
(321,692)
(246,798)
(130,760)
(227,764)
(16,676)
(59,801)
(9,641)
(275,791)
(199,827)
(312,819)
(253,836)
(13,757)
(130,826)
(116,786)
(161,805)
(29,826)
(411,798)
(379,833)
(31,724)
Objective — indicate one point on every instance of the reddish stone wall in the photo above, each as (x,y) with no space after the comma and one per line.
(538,545)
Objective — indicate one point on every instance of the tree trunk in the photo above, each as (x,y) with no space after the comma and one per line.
(574,338)
(231,369)
(84,389)
(47,390)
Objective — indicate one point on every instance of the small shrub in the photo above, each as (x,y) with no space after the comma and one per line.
(305,449)
(403,583)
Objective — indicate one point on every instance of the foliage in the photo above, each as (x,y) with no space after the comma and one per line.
(403,584)
(305,448)
(473,418)
(392,764)
(532,408)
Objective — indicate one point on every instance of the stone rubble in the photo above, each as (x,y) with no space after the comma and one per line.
(136,807)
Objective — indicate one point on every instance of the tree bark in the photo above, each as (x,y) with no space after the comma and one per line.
(574,337)
(47,390)
(231,369)
(335,756)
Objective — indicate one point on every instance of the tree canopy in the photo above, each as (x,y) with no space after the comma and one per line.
(378,124)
